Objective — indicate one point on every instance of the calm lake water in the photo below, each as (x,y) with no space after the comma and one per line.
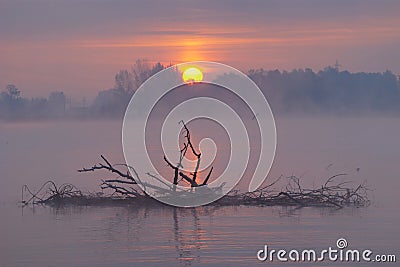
(314,148)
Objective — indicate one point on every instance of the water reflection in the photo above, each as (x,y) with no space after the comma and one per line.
(149,233)
(186,240)
(189,236)
(160,235)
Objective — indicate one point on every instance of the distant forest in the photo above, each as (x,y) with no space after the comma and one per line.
(300,91)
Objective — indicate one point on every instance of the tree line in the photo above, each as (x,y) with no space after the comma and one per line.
(328,91)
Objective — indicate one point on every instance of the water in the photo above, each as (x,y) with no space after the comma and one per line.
(32,153)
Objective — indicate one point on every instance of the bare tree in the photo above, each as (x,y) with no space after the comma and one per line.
(142,70)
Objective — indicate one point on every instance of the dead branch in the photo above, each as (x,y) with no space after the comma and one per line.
(208,176)
(116,184)
(178,168)
(175,168)
(188,179)
(110,168)
(49,192)
(189,143)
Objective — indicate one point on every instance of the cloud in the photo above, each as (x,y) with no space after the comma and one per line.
(100,37)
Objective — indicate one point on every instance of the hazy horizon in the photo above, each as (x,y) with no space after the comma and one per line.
(89,96)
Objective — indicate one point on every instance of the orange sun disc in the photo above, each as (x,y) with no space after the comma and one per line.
(192,75)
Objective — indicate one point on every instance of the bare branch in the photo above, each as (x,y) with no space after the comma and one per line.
(208,176)
(110,168)
(187,178)
(189,142)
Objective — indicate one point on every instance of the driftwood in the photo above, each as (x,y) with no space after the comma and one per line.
(333,193)
(126,182)
(118,185)
(49,192)
(124,188)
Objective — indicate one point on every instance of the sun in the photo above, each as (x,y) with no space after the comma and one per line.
(192,75)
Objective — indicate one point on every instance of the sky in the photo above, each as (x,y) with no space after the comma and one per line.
(78,46)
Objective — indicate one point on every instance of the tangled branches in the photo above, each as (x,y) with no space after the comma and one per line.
(49,192)
(332,193)
(123,184)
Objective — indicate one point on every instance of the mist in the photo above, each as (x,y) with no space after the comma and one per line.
(301,91)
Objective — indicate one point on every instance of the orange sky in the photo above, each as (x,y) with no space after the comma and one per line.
(77,47)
